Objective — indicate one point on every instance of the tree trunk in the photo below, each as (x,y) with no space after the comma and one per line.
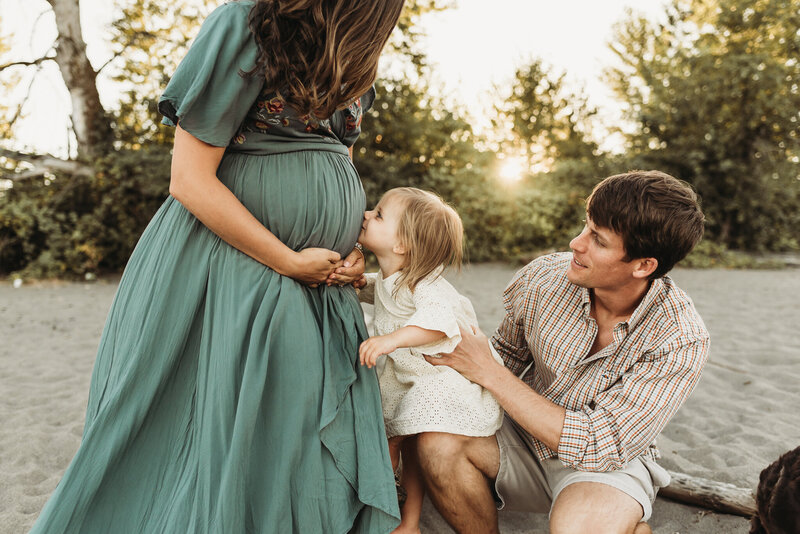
(710,494)
(92,127)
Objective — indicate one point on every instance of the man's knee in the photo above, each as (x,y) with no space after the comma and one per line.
(439,452)
(445,455)
(594,507)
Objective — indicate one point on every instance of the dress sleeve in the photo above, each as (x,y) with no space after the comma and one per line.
(208,95)
(346,123)
(435,302)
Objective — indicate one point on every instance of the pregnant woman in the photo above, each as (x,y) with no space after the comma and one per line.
(226,395)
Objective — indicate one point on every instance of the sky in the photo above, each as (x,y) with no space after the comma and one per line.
(473,49)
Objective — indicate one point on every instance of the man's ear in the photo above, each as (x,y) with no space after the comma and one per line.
(644,267)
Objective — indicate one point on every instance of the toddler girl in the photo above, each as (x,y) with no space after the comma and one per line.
(414,236)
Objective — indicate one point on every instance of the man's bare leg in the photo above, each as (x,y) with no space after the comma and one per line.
(457,471)
(595,507)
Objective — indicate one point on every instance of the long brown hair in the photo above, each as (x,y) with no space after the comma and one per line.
(431,232)
(320,55)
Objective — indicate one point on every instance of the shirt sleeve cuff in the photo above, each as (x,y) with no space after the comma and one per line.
(574,439)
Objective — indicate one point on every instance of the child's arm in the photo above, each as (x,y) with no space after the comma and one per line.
(408,336)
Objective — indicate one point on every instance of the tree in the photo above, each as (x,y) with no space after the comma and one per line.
(150,38)
(546,123)
(411,139)
(552,128)
(91,126)
(714,90)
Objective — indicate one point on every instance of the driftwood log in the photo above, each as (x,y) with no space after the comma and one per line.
(709,494)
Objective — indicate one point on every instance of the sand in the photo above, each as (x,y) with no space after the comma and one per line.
(743,414)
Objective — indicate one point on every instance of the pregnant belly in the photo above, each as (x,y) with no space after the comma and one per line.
(307,198)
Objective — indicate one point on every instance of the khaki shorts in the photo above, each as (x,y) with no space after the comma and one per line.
(526,484)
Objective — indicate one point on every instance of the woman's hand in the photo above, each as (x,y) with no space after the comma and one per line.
(312,266)
(351,270)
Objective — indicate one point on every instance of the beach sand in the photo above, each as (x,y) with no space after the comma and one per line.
(741,417)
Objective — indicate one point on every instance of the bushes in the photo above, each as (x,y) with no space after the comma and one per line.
(67,226)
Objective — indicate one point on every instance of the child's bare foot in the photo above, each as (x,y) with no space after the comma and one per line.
(406,529)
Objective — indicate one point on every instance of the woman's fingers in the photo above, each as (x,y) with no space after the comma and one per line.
(317,265)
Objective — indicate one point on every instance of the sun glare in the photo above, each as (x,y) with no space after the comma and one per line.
(511,170)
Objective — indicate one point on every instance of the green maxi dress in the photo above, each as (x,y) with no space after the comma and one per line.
(226,398)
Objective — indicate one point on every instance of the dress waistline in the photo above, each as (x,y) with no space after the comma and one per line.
(266,144)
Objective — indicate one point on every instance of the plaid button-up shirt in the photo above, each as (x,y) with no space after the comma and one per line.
(618,399)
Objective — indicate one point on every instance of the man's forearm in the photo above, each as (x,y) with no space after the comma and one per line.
(540,417)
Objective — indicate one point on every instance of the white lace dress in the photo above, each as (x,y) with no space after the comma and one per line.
(417,396)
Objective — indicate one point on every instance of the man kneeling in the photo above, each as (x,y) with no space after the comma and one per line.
(600,348)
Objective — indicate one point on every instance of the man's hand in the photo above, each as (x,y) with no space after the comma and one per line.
(376,346)
(472,357)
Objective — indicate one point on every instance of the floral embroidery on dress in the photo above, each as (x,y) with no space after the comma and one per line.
(271,114)
(275,105)
(353,119)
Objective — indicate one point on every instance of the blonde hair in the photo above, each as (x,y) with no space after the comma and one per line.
(431,232)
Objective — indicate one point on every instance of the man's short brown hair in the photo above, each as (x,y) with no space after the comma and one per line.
(658,216)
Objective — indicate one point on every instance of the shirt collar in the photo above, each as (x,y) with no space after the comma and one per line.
(586,300)
(654,294)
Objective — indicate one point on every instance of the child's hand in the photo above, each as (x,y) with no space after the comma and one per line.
(375,346)
(351,269)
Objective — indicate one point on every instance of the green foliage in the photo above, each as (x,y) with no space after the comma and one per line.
(8,80)
(68,226)
(708,254)
(412,139)
(404,42)
(150,38)
(715,92)
(551,128)
(543,121)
